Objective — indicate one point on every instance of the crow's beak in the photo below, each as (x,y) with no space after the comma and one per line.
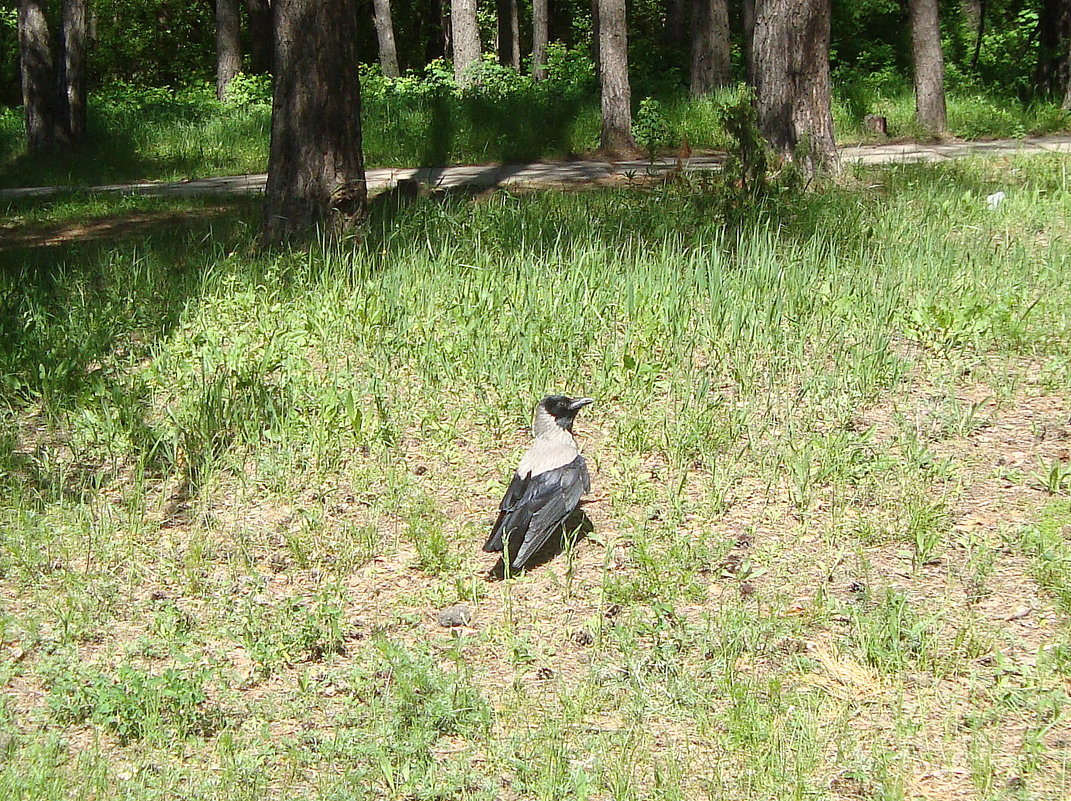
(580,403)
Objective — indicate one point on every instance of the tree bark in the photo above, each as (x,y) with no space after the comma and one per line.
(540,38)
(1066,105)
(791,79)
(748,19)
(388,52)
(447,28)
(74,26)
(38,76)
(929,65)
(613,78)
(466,36)
(228,45)
(675,32)
(975,12)
(710,46)
(315,164)
(260,36)
(509,35)
(1053,32)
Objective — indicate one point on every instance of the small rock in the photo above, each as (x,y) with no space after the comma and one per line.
(583,637)
(454,616)
(995,199)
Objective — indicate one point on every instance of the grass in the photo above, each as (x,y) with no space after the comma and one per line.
(154,134)
(828,555)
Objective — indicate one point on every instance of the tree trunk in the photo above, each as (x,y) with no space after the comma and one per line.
(315,165)
(228,45)
(1066,105)
(72,81)
(748,20)
(791,78)
(466,36)
(675,32)
(613,78)
(710,46)
(975,13)
(447,28)
(509,36)
(929,65)
(388,52)
(260,36)
(596,26)
(1053,32)
(38,75)
(540,38)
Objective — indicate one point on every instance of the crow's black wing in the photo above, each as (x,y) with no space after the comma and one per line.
(511,513)
(534,507)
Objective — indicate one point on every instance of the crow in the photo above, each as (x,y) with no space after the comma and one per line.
(547,486)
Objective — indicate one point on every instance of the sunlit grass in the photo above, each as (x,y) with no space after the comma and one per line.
(235,486)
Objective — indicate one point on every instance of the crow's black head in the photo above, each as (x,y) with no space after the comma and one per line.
(563,408)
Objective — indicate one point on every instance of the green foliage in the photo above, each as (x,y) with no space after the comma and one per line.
(651,129)
(249,90)
(133,703)
(9,56)
(748,160)
(152,42)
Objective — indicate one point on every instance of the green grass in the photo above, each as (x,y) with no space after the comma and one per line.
(158,135)
(235,487)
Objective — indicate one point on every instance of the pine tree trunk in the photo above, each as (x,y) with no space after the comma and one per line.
(260,36)
(675,32)
(1053,32)
(388,52)
(315,166)
(509,35)
(929,65)
(447,28)
(710,46)
(38,76)
(1066,105)
(540,38)
(72,84)
(974,11)
(613,77)
(791,78)
(228,45)
(466,36)
(748,19)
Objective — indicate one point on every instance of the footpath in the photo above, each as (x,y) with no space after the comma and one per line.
(551,173)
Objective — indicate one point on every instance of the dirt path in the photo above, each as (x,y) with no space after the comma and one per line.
(563,172)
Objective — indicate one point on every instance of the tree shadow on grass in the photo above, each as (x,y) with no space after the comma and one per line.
(79,306)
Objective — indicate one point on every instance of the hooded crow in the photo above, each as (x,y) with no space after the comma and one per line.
(547,485)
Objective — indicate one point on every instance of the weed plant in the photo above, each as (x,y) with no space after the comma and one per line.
(236,486)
